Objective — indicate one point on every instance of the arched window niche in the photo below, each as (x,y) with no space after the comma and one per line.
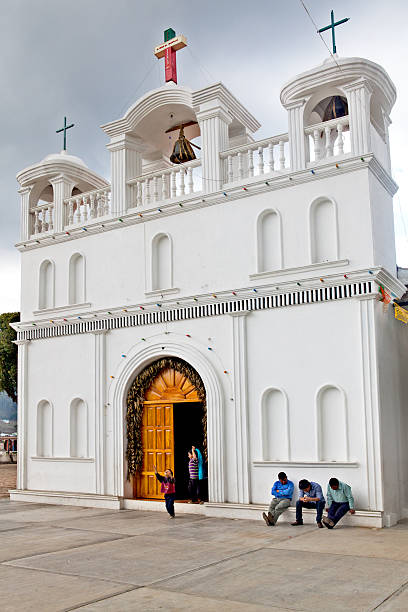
(275,425)
(44,429)
(332,426)
(269,241)
(162,264)
(76,279)
(78,428)
(323,231)
(46,285)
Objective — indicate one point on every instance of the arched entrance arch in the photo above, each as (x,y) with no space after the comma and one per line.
(166,414)
(138,359)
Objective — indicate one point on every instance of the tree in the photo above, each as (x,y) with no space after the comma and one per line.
(8,354)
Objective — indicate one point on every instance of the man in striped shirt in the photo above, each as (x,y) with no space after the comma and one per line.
(193,485)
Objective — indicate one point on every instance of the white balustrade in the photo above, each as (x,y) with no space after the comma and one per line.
(84,207)
(42,219)
(256,158)
(328,139)
(178,181)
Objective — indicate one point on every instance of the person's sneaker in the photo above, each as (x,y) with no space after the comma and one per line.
(266,519)
(327,522)
(320,526)
(172,516)
(271,518)
(295,524)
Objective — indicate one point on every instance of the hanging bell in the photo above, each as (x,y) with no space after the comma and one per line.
(182,150)
(336,107)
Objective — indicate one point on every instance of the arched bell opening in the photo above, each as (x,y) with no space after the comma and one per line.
(331,139)
(166,415)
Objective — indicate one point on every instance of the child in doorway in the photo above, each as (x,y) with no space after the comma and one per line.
(168,487)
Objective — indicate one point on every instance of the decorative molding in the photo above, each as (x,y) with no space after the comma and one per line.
(67,459)
(58,309)
(299,269)
(159,292)
(22,413)
(186,311)
(332,464)
(99,386)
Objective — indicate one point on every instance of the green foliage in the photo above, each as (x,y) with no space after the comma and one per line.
(8,354)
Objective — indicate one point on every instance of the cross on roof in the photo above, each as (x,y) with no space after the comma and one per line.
(331,27)
(64,129)
(172,43)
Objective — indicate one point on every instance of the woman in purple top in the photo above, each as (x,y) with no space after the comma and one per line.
(193,484)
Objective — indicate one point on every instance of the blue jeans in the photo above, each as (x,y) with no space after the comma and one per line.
(319,509)
(169,501)
(337,510)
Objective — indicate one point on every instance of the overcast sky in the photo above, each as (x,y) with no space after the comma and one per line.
(91,59)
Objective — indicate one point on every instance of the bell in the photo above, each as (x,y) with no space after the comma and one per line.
(337,107)
(182,150)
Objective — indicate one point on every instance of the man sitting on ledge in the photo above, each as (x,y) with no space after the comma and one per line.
(282,492)
(339,501)
(310,496)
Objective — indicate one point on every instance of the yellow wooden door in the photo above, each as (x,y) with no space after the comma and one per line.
(158,448)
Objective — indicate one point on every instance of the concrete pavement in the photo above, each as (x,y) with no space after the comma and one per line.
(56,558)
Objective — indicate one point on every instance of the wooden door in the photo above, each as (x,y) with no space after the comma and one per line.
(158,448)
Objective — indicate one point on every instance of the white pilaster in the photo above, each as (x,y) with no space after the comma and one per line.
(22,414)
(241,407)
(99,408)
(370,389)
(62,186)
(296,132)
(358,97)
(126,163)
(25,221)
(213,119)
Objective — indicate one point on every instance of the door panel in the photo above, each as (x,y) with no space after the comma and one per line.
(158,449)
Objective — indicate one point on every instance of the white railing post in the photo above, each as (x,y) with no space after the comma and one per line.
(340,141)
(182,183)
(173,184)
(261,160)
(281,155)
(329,146)
(250,162)
(50,218)
(271,158)
(190,182)
(230,169)
(316,142)
(240,166)
(164,186)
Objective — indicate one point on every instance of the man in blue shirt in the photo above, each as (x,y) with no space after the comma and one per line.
(310,496)
(282,492)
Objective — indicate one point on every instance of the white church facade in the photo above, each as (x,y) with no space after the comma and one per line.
(246,280)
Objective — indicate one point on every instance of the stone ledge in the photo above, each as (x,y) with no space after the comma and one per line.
(66,499)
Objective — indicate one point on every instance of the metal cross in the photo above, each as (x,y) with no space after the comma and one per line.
(64,129)
(331,27)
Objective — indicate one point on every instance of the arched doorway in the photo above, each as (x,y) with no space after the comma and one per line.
(171,416)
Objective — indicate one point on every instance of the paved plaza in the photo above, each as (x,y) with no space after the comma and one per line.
(73,558)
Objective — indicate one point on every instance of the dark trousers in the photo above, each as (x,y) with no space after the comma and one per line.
(169,501)
(194,488)
(319,510)
(337,510)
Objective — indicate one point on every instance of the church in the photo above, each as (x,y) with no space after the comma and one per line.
(221,291)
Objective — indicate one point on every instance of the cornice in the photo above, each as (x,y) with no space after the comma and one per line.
(383,176)
(52,169)
(234,106)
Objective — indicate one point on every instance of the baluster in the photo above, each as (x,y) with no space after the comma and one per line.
(36,223)
(92,211)
(230,169)
(107,202)
(138,193)
(329,146)
(190,183)
(173,184)
(155,190)
(147,191)
(340,139)
(250,162)
(85,207)
(316,140)
(182,183)
(261,169)
(271,158)
(44,224)
(78,210)
(164,187)
(240,166)
(50,217)
(70,212)
(98,200)
(281,155)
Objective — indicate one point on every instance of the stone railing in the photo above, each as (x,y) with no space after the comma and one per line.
(327,139)
(167,184)
(256,158)
(84,207)
(41,219)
